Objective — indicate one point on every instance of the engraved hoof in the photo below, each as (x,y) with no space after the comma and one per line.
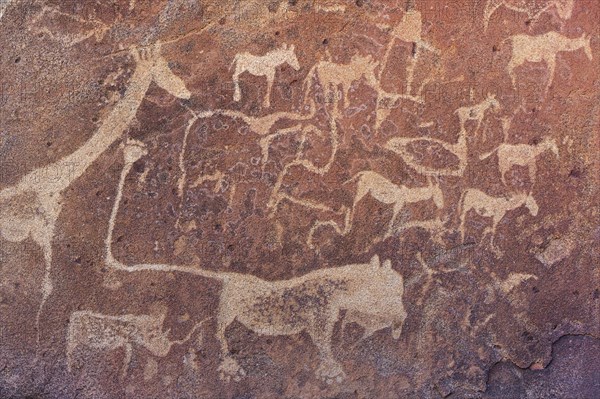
(331,372)
(231,370)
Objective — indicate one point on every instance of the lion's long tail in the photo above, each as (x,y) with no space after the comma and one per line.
(221,276)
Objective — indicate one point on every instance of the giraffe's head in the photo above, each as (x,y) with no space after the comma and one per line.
(160,72)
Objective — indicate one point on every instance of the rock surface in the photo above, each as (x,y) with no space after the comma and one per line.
(299,199)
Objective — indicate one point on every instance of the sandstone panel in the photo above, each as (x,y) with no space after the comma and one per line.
(299,199)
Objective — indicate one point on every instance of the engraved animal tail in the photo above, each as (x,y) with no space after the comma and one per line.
(355,177)
(487,154)
(235,59)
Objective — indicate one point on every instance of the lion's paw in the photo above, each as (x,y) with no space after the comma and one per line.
(231,370)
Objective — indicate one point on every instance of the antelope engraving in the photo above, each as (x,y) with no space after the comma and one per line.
(107,332)
(331,75)
(31,207)
(510,155)
(534,9)
(384,191)
(494,207)
(543,47)
(264,65)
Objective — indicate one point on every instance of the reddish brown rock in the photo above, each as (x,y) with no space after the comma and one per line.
(247,199)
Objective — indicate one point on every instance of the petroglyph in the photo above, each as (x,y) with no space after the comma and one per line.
(383,190)
(87,28)
(510,155)
(401,146)
(409,30)
(264,65)
(277,196)
(312,303)
(268,219)
(533,8)
(556,251)
(108,332)
(31,207)
(494,207)
(477,112)
(544,47)
(514,280)
(262,125)
(331,76)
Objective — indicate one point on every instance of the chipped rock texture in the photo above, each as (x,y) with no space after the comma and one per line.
(299,199)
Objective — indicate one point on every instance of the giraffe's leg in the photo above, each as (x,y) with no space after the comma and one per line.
(492,232)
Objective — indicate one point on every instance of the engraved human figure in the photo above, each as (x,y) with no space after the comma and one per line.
(264,65)
(383,190)
(544,47)
(533,8)
(109,332)
(32,206)
(494,207)
(510,155)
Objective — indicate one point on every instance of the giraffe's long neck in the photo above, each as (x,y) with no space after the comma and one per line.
(59,175)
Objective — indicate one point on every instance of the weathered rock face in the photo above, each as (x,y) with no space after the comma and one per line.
(298,199)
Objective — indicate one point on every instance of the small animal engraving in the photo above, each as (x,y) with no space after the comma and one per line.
(543,47)
(264,65)
(494,207)
(510,155)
